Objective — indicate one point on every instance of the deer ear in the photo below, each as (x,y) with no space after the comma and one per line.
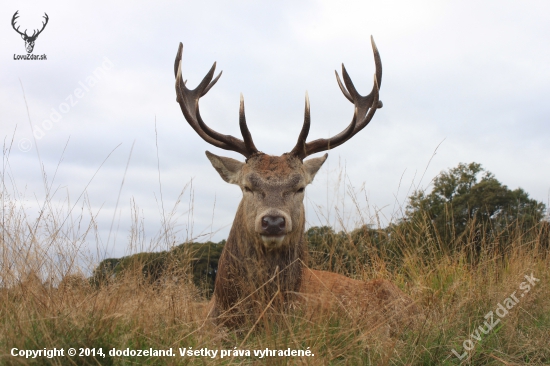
(228,168)
(312,166)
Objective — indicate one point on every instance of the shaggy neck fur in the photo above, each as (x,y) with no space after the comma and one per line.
(250,277)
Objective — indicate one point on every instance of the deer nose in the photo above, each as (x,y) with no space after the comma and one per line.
(273,225)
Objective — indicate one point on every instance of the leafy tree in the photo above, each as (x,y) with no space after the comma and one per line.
(468,194)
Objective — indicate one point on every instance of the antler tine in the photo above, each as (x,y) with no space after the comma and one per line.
(205,84)
(377,63)
(247,136)
(342,88)
(189,103)
(213,82)
(178,59)
(349,85)
(300,148)
(365,107)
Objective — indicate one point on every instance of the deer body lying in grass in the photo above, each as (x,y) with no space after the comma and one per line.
(263,265)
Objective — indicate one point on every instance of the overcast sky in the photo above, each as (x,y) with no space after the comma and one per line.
(471,77)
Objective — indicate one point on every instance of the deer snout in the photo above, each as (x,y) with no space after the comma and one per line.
(273,222)
(273,225)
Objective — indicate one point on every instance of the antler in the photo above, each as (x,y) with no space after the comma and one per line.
(189,102)
(34,34)
(43,26)
(15,16)
(365,107)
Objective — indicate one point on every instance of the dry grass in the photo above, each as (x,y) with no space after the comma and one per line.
(46,301)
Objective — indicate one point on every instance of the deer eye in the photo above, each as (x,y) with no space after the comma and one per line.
(246,189)
(300,190)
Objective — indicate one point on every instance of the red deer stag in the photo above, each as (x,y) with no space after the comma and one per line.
(263,263)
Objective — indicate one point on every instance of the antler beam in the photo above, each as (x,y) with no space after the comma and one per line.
(365,107)
(13,20)
(189,102)
(43,26)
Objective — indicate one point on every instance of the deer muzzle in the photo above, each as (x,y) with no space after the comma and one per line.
(273,225)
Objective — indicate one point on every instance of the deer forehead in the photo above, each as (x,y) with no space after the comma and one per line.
(272,183)
(267,170)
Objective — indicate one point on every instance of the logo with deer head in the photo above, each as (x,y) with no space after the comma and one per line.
(29,40)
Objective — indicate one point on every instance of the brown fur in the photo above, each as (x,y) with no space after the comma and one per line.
(378,302)
(253,276)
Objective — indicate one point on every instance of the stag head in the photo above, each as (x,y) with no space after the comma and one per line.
(273,193)
(272,210)
(29,40)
